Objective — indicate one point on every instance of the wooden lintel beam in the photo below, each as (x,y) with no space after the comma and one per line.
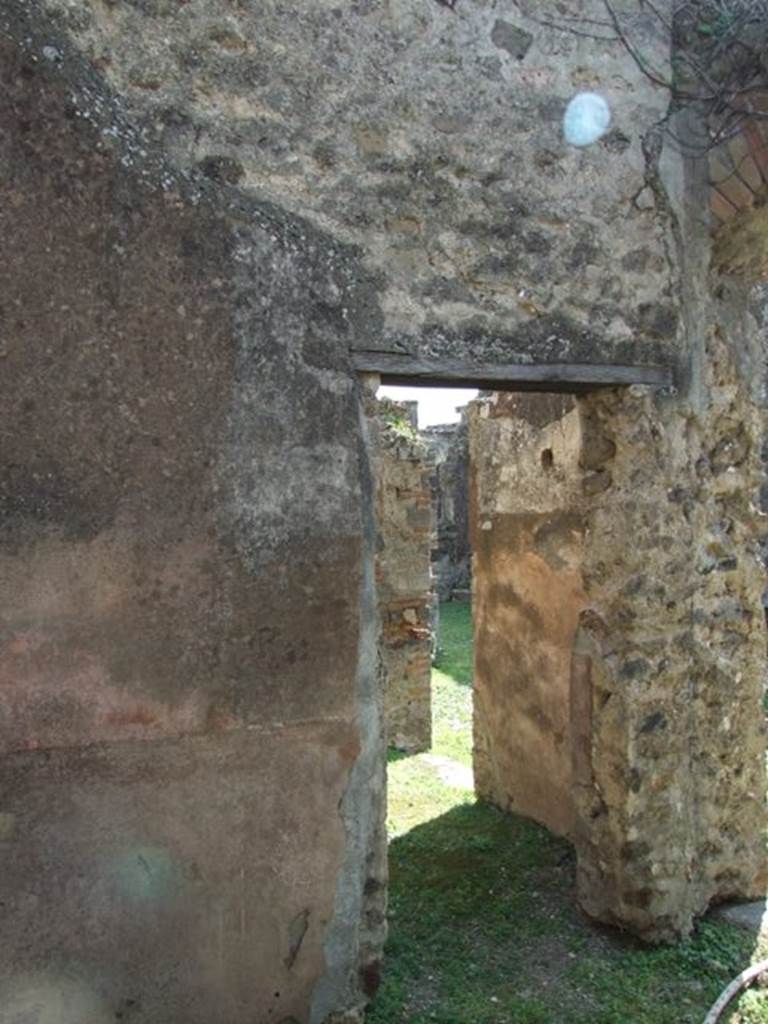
(401,368)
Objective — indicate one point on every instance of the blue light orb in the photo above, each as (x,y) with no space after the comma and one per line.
(587,118)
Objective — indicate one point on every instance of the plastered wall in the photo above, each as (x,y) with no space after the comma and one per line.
(187,627)
(205,209)
(527,542)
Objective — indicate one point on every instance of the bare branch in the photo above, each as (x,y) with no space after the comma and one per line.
(719,61)
(632,51)
(559,26)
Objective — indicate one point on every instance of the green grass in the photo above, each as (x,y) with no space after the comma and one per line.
(484,927)
(456,649)
(452,684)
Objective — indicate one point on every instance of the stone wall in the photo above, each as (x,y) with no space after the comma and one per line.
(669,657)
(405,532)
(192,761)
(451,558)
(620,637)
(670,652)
(206,208)
(527,542)
(430,138)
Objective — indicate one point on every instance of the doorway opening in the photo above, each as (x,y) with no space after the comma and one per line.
(463,842)
(424,589)
(484,922)
(571,625)
(480,512)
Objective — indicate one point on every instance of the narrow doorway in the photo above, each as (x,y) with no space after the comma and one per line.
(424,584)
(484,926)
(470,882)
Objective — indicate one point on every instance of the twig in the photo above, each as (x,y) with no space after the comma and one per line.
(731,991)
(634,54)
(667,24)
(559,27)
(719,52)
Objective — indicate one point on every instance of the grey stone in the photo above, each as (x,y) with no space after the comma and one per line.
(752,917)
(516,41)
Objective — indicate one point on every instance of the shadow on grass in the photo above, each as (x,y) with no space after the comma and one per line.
(394,755)
(484,929)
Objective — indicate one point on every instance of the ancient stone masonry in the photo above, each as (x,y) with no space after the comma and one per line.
(212,213)
(671,646)
(405,530)
(619,629)
(451,561)
(427,138)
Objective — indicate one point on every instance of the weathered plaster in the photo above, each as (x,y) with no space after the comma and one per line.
(527,538)
(204,208)
(421,135)
(168,350)
(405,527)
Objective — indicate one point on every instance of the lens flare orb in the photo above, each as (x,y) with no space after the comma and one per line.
(587,118)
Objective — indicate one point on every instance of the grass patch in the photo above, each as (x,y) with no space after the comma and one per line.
(484,927)
(456,647)
(452,684)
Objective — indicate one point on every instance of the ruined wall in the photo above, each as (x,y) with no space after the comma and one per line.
(670,653)
(451,557)
(205,207)
(619,631)
(669,657)
(661,600)
(192,768)
(527,541)
(405,533)
(432,139)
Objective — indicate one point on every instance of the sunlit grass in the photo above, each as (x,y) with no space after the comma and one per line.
(484,926)
(452,685)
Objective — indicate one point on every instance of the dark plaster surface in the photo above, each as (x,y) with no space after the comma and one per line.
(168,885)
(181,564)
(160,364)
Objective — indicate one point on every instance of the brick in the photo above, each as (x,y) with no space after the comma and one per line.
(746,167)
(722,209)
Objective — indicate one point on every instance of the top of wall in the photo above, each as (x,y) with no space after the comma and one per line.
(426,137)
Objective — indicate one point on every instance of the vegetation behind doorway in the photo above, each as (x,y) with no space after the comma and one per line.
(484,927)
